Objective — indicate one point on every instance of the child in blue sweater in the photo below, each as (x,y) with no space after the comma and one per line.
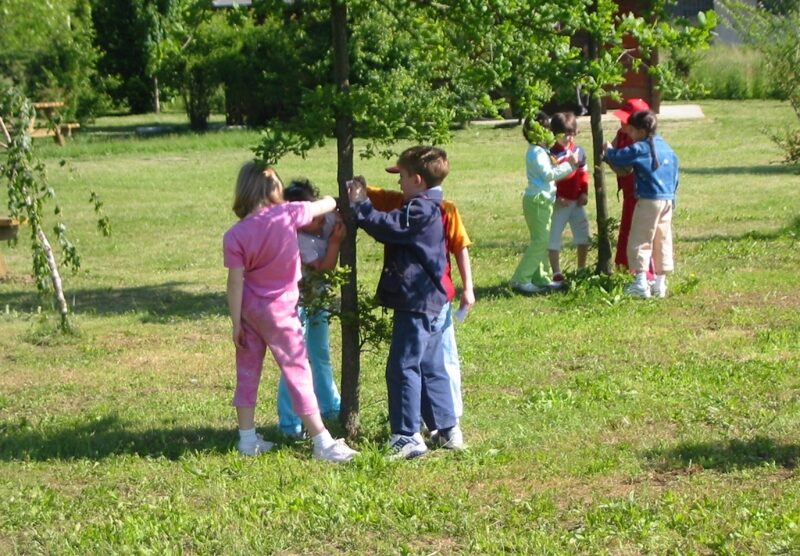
(656,168)
(414,262)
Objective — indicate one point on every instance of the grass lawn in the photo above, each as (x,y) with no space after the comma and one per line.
(597,424)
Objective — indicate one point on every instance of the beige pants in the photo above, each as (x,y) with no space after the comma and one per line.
(651,236)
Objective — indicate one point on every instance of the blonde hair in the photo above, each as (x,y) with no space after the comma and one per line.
(429,162)
(255,185)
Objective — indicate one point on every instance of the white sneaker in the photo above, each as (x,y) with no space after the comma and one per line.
(255,447)
(452,440)
(661,292)
(638,290)
(338,452)
(557,285)
(406,447)
(527,287)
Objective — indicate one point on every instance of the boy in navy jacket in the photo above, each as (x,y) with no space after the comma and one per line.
(411,284)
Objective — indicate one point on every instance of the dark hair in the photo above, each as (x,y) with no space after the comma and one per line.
(429,162)
(301,189)
(564,122)
(646,120)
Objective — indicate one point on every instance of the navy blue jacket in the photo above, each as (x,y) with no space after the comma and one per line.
(414,256)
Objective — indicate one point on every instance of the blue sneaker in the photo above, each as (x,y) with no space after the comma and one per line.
(406,447)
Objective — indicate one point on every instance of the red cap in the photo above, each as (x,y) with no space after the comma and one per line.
(631,106)
(393,169)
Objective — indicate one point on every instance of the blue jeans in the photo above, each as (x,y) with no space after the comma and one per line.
(416,380)
(451,362)
(315,331)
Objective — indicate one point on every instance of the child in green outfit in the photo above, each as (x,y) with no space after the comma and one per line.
(532,274)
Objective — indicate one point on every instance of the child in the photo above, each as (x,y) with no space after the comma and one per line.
(319,244)
(626,182)
(457,242)
(411,284)
(572,194)
(531,275)
(656,168)
(261,254)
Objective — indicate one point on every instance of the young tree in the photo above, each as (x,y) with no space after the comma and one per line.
(28,191)
(391,71)
(606,26)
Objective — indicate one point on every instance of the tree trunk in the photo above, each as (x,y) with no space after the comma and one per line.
(351,348)
(55,277)
(156,95)
(604,265)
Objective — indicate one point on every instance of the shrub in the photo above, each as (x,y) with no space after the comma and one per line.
(732,72)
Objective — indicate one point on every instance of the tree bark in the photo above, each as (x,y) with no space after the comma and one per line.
(351,347)
(55,277)
(604,265)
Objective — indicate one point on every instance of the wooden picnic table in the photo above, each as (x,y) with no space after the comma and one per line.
(49,110)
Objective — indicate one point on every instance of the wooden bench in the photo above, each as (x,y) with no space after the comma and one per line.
(8,230)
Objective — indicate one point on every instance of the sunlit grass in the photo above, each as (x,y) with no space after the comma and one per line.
(597,424)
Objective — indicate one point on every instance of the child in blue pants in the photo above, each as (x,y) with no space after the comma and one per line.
(319,244)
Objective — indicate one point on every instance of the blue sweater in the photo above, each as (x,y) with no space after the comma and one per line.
(658,184)
(414,252)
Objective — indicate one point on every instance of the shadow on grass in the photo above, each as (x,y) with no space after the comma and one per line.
(108,436)
(501,290)
(156,303)
(763,170)
(791,229)
(726,456)
(101,438)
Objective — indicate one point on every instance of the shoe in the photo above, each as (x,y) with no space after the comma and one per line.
(295,435)
(338,452)
(406,447)
(451,440)
(527,287)
(557,284)
(558,277)
(661,292)
(638,290)
(253,448)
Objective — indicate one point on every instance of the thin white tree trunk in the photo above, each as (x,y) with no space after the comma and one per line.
(157,95)
(54,275)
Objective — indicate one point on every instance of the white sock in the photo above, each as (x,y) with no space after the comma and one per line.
(661,281)
(247,435)
(641,278)
(323,440)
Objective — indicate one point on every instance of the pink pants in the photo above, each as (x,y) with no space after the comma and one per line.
(273,323)
(651,236)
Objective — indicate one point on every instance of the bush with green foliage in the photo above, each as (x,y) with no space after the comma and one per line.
(47,51)
(775,32)
(724,71)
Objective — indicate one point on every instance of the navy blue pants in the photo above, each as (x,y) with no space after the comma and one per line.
(416,379)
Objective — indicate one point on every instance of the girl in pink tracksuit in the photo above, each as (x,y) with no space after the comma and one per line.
(262,257)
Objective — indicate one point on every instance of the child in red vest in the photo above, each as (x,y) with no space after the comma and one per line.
(572,194)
